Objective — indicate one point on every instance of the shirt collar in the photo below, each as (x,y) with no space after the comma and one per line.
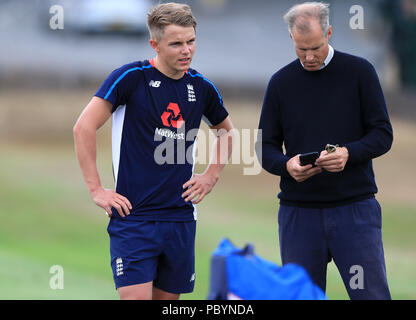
(327,60)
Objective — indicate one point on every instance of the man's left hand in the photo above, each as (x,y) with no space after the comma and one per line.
(198,187)
(334,161)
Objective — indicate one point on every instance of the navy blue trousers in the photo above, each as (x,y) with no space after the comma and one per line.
(349,234)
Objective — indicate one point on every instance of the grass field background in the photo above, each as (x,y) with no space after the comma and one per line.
(48,218)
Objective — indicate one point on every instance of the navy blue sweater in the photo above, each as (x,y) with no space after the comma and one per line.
(343,104)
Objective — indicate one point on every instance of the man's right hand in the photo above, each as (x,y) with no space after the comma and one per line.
(107,199)
(301,173)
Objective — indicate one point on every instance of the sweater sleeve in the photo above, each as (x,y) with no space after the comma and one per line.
(270,137)
(378,132)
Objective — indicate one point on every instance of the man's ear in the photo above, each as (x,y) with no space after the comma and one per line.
(329,32)
(154,44)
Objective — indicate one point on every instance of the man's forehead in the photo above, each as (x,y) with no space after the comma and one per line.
(309,45)
(175,32)
(308,40)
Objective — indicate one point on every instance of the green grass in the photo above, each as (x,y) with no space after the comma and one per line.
(24,277)
(47,218)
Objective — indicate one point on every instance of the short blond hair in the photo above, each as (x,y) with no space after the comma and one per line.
(166,14)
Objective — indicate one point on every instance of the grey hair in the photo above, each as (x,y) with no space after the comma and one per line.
(299,16)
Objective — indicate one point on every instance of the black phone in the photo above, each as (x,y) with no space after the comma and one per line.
(308,158)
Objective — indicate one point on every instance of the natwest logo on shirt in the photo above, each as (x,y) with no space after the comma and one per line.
(172,116)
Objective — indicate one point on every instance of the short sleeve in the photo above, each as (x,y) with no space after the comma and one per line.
(214,111)
(119,85)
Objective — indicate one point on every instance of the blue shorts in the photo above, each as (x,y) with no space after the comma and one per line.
(158,251)
(349,234)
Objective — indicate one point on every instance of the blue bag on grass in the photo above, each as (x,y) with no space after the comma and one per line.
(238,273)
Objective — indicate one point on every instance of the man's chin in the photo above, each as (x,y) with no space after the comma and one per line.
(313,67)
(183,68)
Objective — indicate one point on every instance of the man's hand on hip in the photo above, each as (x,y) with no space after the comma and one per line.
(199,186)
(334,161)
(298,172)
(107,199)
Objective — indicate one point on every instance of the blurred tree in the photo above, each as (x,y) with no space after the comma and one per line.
(401,14)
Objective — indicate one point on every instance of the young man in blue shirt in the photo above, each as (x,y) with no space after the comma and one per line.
(327,208)
(156,105)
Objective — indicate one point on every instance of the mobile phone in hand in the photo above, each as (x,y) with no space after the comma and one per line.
(308,158)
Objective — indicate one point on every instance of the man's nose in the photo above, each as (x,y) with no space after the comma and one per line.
(186,49)
(309,57)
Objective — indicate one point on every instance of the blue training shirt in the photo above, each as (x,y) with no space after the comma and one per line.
(154,126)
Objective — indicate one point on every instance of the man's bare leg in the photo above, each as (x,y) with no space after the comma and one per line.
(141,291)
(163,295)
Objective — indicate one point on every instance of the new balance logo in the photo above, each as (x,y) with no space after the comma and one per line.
(119,267)
(192,277)
(154,84)
(191,93)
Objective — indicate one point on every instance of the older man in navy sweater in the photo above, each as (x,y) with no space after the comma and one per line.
(327,209)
